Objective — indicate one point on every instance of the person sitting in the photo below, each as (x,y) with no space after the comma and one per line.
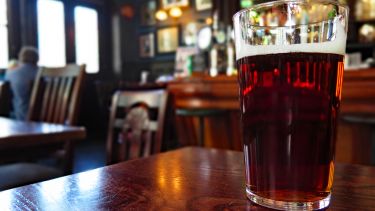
(21,78)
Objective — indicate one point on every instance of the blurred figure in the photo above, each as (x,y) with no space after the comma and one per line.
(21,78)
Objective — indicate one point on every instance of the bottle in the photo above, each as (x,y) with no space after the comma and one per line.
(231,60)
(213,54)
(189,65)
(214,61)
(218,49)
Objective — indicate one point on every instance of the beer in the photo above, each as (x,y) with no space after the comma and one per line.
(289,106)
(290,62)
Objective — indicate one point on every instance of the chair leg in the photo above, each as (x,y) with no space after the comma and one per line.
(122,148)
(109,151)
(68,158)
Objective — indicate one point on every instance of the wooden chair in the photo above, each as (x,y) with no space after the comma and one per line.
(54,99)
(136,124)
(56,94)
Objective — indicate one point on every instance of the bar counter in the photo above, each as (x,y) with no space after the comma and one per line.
(221,93)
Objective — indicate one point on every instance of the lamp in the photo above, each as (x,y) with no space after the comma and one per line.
(161,15)
(209,21)
(175,12)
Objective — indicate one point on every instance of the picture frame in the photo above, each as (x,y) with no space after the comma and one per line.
(167,4)
(168,39)
(201,5)
(147,46)
(148,10)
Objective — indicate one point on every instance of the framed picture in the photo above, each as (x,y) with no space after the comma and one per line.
(166,4)
(167,40)
(148,10)
(203,5)
(146,46)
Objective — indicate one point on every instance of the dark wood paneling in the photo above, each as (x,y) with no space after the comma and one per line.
(14,28)
(226,9)
(69,32)
(29,32)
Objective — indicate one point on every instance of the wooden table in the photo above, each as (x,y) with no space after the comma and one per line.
(20,140)
(15,133)
(186,179)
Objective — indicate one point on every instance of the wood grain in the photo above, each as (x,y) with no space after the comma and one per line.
(56,95)
(187,179)
(14,133)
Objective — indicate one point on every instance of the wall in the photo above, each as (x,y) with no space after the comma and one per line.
(131,29)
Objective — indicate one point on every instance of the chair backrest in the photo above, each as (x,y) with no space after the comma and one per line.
(56,94)
(136,124)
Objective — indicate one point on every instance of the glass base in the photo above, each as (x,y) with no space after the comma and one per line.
(283,205)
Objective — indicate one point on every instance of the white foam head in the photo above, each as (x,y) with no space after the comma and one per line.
(335,46)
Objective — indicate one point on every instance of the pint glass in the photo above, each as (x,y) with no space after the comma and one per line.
(290,61)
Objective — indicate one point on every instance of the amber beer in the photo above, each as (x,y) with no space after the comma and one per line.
(290,62)
(289,106)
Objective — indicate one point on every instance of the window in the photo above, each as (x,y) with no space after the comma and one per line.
(4,48)
(87,38)
(51,33)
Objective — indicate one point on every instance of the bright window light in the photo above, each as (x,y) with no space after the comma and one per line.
(87,38)
(4,48)
(51,33)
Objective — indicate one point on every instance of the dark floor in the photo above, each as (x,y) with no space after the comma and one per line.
(89,154)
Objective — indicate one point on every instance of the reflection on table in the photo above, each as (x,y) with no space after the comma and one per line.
(186,179)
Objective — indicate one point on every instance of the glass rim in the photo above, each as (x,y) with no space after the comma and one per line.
(278,2)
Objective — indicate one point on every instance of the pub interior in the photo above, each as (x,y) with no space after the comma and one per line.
(119,80)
